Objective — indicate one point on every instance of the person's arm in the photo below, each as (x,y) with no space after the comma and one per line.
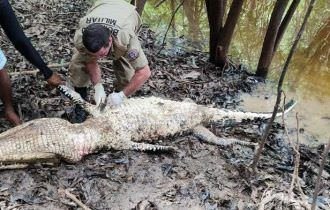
(94,72)
(137,59)
(139,78)
(13,30)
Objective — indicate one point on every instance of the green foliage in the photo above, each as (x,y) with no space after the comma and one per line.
(159,19)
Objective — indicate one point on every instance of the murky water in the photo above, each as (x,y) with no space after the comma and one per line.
(311,114)
(308,76)
(309,84)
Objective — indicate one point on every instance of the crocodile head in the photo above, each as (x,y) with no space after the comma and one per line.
(94,110)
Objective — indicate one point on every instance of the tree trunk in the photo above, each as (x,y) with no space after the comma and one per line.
(227,33)
(285,22)
(193,11)
(173,26)
(221,34)
(215,13)
(139,5)
(270,38)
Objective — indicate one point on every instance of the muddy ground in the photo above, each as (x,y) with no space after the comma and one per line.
(199,176)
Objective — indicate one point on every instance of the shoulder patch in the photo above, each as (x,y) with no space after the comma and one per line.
(132,54)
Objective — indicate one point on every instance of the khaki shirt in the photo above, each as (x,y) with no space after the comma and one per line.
(123,21)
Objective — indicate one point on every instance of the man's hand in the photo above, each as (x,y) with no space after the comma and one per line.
(99,96)
(115,99)
(55,80)
(12,117)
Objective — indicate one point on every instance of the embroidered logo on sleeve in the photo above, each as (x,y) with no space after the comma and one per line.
(132,54)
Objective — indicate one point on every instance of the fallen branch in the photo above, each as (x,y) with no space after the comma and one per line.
(52,66)
(295,179)
(58,65)
(295,175)
(74,198)
(159,3)
(317,185)
(169,25)
(295,147)
(30,72)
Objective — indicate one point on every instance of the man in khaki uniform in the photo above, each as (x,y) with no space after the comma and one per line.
(109,30)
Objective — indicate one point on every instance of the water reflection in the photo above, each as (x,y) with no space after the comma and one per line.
(308,81)
(311,115)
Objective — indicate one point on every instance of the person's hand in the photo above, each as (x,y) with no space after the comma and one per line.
(115,99)
(55,80)
(12,117)
(99,96)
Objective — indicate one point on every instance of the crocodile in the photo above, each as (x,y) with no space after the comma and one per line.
(131,126)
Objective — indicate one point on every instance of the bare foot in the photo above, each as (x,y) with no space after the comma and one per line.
(12,117)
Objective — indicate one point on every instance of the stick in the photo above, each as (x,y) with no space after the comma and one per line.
(52,65)
(295,147)
(58,65)
(295,177)
(159,3)
(74,198)
(169,25)
(32,72)
(317,185)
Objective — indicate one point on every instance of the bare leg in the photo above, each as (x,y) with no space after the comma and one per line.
(6,97)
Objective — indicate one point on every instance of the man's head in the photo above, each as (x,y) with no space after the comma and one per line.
(97,40)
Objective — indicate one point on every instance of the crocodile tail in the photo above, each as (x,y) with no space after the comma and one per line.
(238,116)
(77,99)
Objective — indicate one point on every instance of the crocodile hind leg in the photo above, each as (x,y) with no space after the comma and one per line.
(206,135)
(23,160)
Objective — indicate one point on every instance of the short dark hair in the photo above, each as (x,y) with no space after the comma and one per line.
(95,36)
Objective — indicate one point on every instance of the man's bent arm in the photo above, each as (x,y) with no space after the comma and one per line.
(139,78)
(94,72)
(13,30)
